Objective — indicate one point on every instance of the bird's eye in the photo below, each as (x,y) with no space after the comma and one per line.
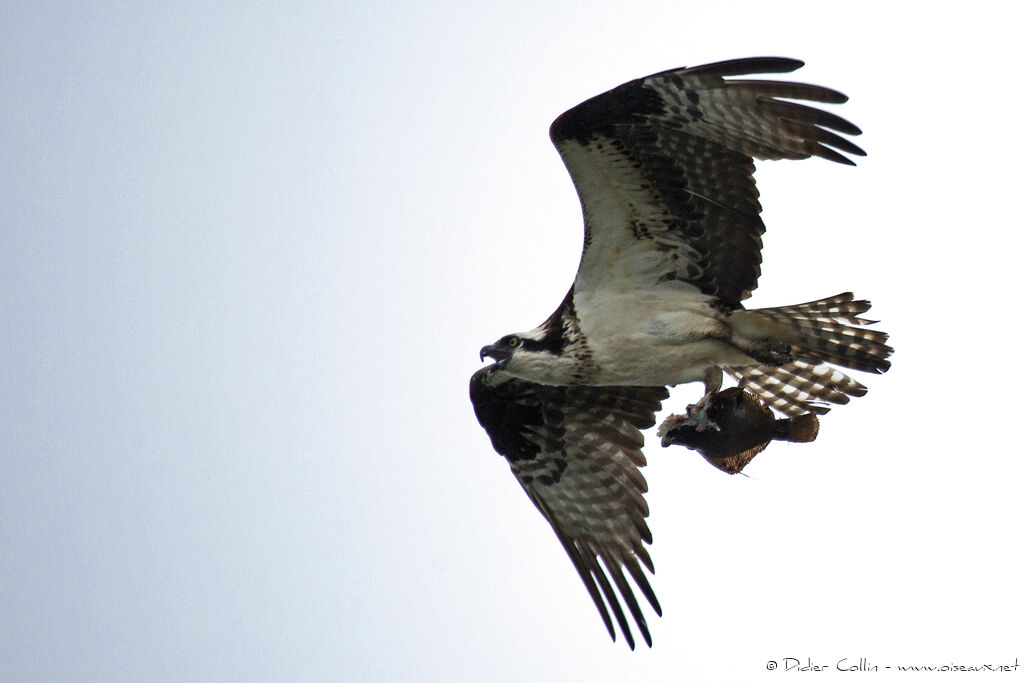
(513,342)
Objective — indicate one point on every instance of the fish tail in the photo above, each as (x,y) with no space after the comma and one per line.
(801,428)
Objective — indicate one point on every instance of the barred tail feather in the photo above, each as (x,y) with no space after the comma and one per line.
(830,330)
(799,386)
(820,333)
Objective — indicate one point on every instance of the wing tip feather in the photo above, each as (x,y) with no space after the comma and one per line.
(750,65)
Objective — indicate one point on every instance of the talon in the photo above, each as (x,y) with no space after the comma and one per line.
(697,416)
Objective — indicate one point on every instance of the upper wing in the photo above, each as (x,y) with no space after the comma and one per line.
(576,451)
(664,172)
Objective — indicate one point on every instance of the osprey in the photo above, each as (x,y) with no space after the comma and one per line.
(663,166)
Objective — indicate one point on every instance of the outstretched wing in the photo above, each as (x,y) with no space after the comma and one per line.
(576,451)
(663,167)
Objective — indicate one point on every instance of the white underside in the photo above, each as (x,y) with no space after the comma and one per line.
(664,339)
(660,338)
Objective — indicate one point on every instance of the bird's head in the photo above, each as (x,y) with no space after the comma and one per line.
(503,349)
(536,355)
(524,354)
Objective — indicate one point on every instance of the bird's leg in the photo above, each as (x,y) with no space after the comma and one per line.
(712,380)
(697,413)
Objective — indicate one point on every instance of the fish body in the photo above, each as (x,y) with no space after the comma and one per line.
(730,427)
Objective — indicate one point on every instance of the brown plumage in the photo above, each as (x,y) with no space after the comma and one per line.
(733,426)
(576,451)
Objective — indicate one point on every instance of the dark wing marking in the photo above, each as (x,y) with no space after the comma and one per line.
(664,170)
(576,451)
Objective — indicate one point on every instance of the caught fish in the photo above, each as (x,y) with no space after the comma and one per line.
(732,426)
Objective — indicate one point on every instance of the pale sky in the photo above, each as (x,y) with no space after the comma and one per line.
(249,256)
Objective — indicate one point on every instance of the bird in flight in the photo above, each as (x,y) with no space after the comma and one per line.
(663,166)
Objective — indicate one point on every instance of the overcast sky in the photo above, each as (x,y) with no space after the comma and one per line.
(248,258)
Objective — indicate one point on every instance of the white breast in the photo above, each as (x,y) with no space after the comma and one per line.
(657,338)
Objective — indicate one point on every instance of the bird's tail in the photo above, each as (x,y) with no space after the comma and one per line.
(798,344)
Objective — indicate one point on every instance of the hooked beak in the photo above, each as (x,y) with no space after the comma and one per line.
(499,354)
